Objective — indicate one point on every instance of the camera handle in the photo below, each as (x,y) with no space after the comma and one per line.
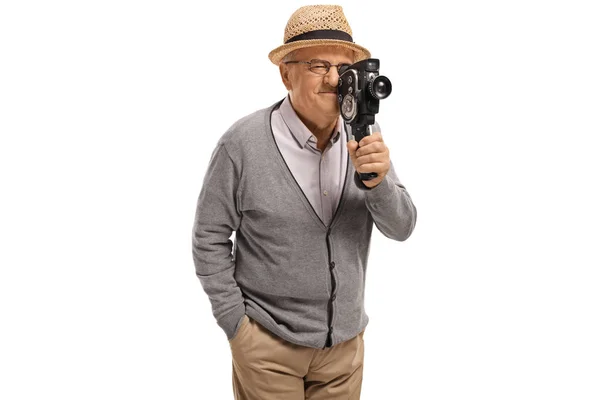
(359,131)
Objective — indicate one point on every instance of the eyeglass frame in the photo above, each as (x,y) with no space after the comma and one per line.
(327,64)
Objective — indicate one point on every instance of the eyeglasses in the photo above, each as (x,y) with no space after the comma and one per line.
(320,67)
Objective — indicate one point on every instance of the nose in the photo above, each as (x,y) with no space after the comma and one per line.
(332,77)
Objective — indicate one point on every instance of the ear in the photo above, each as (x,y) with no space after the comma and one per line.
(284,71)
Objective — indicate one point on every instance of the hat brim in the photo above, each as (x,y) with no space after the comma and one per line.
(276,55)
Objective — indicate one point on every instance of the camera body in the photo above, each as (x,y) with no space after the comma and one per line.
(360,88)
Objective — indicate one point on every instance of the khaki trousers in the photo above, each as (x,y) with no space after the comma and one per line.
(267,367)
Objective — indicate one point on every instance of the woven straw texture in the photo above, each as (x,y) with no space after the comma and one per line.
(312,18)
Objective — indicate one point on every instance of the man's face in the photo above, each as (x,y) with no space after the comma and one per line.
(314,95)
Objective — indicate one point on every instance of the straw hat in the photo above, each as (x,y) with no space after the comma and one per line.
(317,26)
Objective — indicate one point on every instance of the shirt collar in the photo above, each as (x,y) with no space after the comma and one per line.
(300,132)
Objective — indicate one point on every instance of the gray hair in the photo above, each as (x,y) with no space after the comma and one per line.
(289,56)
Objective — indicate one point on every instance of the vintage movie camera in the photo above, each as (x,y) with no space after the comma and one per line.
(360,88)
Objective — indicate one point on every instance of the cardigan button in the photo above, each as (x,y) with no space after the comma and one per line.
(332,265)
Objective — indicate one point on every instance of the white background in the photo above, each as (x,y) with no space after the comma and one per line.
(109,111)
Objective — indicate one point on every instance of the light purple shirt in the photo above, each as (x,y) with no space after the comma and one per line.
(320,175)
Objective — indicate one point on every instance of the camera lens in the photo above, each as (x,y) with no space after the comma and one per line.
(380,87)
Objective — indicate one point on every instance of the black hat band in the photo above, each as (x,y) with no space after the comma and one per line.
(322,34)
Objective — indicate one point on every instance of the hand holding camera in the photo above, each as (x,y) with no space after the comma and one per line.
(372,157)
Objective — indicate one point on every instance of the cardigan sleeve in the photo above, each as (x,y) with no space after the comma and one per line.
(391,207)
(216,218)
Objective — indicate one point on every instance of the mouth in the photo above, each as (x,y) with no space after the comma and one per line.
(335,93)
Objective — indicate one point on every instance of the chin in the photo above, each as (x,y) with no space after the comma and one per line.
(330,101)
(329,109)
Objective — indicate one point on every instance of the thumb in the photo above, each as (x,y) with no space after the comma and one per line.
(352,146)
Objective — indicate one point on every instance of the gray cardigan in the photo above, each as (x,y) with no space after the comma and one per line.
(298,278)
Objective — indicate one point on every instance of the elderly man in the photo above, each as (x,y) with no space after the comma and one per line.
(289,294)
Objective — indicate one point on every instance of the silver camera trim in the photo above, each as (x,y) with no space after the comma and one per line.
(353,89)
